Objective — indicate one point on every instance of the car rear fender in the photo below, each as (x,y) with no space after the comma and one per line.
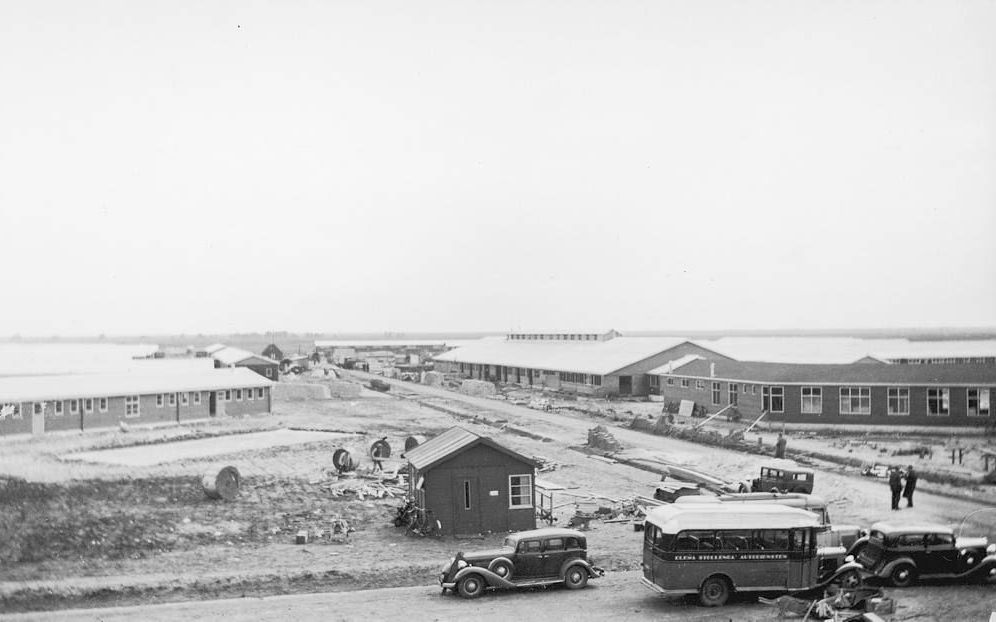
(592,571)
(987,562)
(490,578)
(886,570)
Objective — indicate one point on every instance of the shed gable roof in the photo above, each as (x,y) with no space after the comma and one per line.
(451,442)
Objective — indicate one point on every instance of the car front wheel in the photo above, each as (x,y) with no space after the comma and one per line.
(903,575)
(576,577)
(471,586)
(715,591)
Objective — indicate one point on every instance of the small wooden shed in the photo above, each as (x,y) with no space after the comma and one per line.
(471,484)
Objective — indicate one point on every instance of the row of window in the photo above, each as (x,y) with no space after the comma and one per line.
(553,337)
(729,540)
(857,401)
(132,403)
(853,400)
(226,396)
(589,379)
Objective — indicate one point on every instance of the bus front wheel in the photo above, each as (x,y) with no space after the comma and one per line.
(715,591)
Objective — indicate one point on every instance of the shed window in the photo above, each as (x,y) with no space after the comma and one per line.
(88,405)
(197,397)
(466,495)
(102,404)
(773,399)
(228,395)
(269,372)
(184,399)
(259,393)
(715,393)
(238,394)
(38,408)
(899,400)
(132,406)
(160,400)
(74,406)
(812,400)
(855,401)
(249,394)
(520,491)
(172,399)
(58,408)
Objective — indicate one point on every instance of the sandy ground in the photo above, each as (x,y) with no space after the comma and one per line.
(232,552)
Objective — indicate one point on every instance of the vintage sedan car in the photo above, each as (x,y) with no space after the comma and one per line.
(781,475)
(902,552)
(532,558)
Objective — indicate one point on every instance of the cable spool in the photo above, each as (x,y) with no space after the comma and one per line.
(223,484)
(380,449)
(343,461)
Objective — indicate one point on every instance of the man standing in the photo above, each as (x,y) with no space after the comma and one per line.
(895,485)
(910,486)
(780,446)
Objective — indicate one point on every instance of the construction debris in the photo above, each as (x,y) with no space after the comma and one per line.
(477,387)
(599,437)
(544,464)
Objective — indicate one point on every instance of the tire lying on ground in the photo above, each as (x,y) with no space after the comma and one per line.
(222,484)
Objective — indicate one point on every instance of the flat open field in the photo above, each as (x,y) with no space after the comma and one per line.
(82,533)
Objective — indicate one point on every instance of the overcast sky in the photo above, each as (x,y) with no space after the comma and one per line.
(412,166)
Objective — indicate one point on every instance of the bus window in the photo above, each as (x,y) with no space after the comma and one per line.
(771,540)
(799,540)
(696,541)
(738,540)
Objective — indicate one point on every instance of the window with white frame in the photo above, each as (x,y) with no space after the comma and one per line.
(132,406)
(899,400)
(269,372)
(160,400)
(74,407)
(184,399)
(855,400)
(938,402)
(238,395)
(715,393)
(58,407)
(88,405)
(700,385)
(12,410)
(670,381)
(732,391)
(259,393)
(773,399)
(172,399)
(520,491)
(228,395)
(249,394)
(685,383)
(102,404)
(978,402)
(221,396)
(812,400)
(196,395)
(38,408)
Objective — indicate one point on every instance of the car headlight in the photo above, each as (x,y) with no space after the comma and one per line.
(462,564)
(991,549)
(848,559)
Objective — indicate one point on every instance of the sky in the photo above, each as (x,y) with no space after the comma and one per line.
(333,166)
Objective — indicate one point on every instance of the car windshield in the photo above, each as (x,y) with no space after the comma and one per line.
(509,542)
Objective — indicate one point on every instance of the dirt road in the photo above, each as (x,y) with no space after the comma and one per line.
(619,596)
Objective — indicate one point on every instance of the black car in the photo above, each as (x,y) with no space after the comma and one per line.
(526,559)
(902,552)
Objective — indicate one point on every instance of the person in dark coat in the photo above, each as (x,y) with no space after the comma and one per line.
(895,485)
(910,486)
(780,446)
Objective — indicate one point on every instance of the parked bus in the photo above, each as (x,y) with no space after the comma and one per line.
(714,550)
(836,535)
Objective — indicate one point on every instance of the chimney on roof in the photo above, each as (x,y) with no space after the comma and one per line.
(712,370)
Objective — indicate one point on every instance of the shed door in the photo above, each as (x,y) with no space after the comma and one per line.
(466,504)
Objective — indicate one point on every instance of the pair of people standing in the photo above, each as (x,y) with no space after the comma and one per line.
(898,488)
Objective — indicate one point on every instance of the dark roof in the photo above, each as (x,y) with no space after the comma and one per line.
(450,443)
(899,527)
(844,374)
